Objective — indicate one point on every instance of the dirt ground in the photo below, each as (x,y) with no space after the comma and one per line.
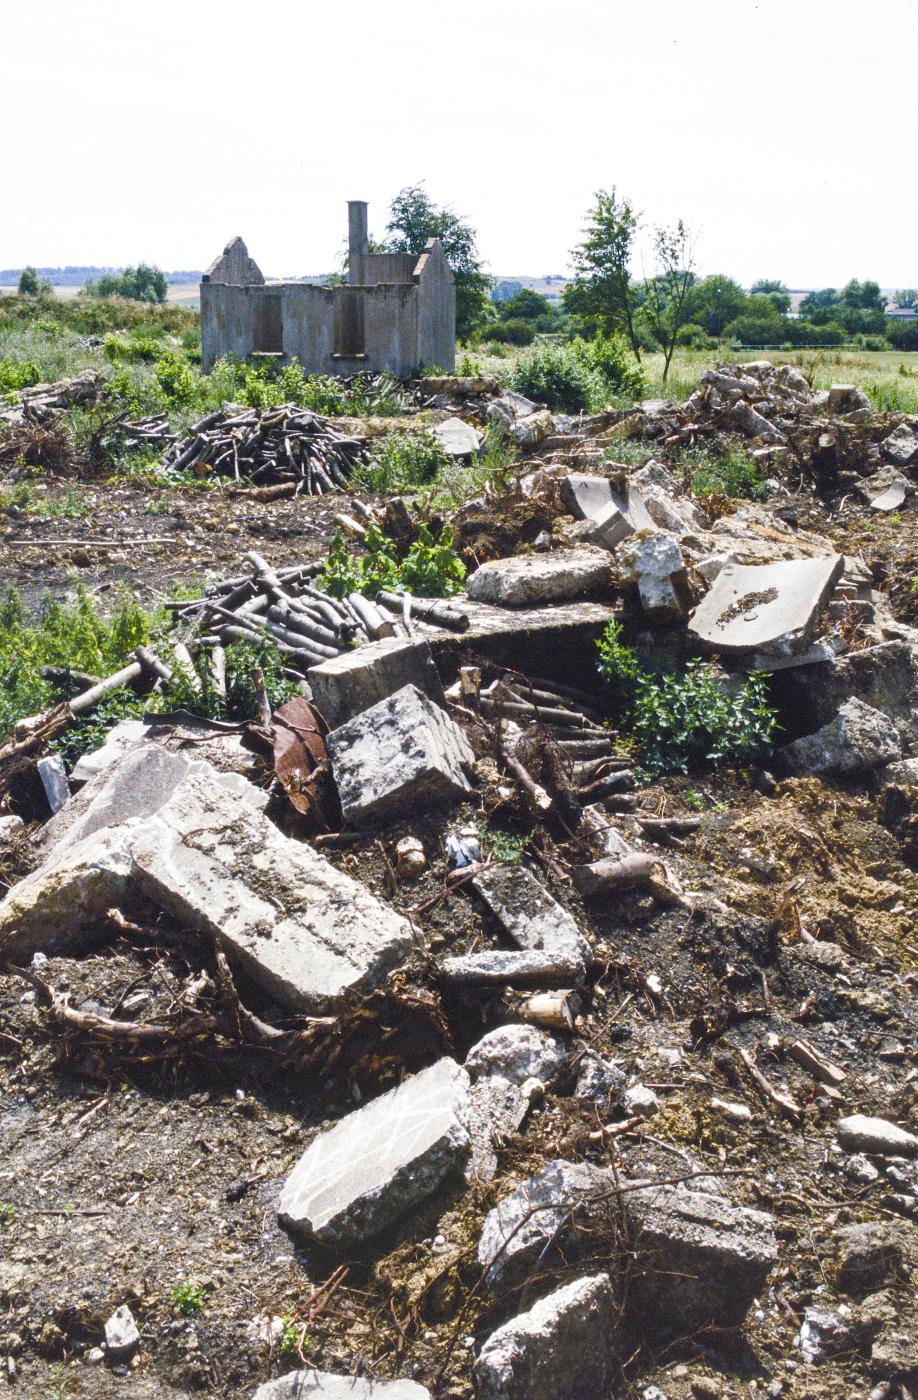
(130,1172)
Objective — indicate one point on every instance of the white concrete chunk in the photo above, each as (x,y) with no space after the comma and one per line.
(346,685)
(374,1166)
(517,1053)
(402,754)
(457,438)
(323,1385)
(859,1133)
(765,607)
(653,563)
(561,1349)
(526,911)
(302,929)
(528,579)
(858,739)
(121,1334)
(118,741)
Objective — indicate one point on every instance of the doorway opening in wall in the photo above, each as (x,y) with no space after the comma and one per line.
(268,338)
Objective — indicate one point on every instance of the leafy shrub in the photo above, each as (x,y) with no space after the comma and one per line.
(140,283)
(513,331)
(687,721)
(141,345)
(579,377)
(728,471)
(430,569)
(695,338)
(17,374)
(401,461)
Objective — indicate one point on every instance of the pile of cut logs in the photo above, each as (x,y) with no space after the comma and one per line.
(286,445)
(284,606)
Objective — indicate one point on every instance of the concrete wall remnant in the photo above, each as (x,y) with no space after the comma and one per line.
(396,313)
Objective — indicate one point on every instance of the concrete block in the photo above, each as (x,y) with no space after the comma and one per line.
(532,968)
(767,607)
(901,446)
(700,1261)
(586,497)
(402,754)
(653,564)
(348,684)
(529,579)
(323,1385)
(857,740)
(527,912)
(457,438)
(381,1161)
(543,1222)
(561,1349)
(118,741)
(299,927)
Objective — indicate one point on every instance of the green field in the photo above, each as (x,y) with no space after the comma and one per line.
(179,293)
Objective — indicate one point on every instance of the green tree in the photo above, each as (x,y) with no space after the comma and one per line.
(602,292)
(776,292)
(525,306)
(665,308)
(906,297)
(714,301)
(814,302)
(31,285)
(141,283)
(413,219)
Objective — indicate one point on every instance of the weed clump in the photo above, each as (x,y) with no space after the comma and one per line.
(689,721)
(401,461)
(582,376)
(430,569)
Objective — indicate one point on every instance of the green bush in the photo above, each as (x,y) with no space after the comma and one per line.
(513,331)
(725,471)
(687,721)
(580,376)
(142,345)
(430,569)
(695,338)
(404,460)
(17,374)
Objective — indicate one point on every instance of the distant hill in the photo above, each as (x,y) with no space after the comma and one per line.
(78,276)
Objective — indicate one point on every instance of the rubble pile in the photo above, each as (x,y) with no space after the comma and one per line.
(520,1075)
(44,402)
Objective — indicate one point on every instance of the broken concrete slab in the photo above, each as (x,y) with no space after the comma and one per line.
(654,565)
(64,900)
(457,438)
(857,740)
(529,579)
(324,1385)
(53,776)
(901,446)
(401,754)
(543,1222)
(585,496)
(346,685)
(299,927)
(380,1162)
(700,1260)
(517,1053)
(765,607)
(605,531)
(529,431)
(847,398)
(527,913)
(497,1108)
(884,676)
(561,1349)
(121,1334)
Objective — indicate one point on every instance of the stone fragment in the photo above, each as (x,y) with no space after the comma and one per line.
(641,1101)
(510,406)
(517,1053)
(824,1334)
(564,968)
(497,1109)
(700,1260)
(121,1334)
(543,1222)
(9,825)
(857,740)
(561,576)
(859,1133)
(410,860)
(561,1349)
(765,607)
(901,446)
(847,398)
(53,775)
(607,530)
(457,438)
(883,676)
(302,929)
(346,685)
(532,429)
(655,566)
(298,1385)
(599,1080)
(751,423)
(870,1257)
(902,774)
(585,496)
(527,913)
(381,1161)
(403,754)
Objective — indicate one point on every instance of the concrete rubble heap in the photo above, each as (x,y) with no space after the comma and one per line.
(532,1017)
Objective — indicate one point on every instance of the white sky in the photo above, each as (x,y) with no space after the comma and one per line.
(783,132)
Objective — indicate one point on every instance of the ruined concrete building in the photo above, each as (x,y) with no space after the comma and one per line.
(397,312)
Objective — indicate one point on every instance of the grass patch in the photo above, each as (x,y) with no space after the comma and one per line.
(403,461)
